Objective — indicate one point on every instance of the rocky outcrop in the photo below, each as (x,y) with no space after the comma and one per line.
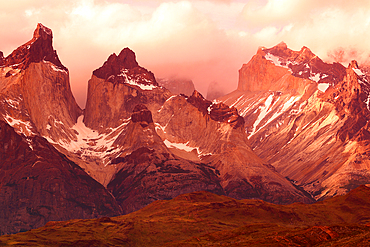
(141,115)
(38,185)
(177,85)
(351,99)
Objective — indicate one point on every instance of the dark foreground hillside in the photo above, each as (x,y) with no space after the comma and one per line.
(206,219)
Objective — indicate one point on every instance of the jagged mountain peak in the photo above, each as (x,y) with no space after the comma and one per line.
(304,64)
(282,51)
(38,49)
(113,66)
(125,69)
(266,70)
(42,32)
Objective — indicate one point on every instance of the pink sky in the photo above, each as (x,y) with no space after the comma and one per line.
(204,41)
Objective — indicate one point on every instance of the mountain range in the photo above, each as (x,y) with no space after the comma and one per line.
(295,130)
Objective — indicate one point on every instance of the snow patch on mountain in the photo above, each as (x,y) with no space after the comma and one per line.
(181,146)
(14,103)
(20,126)
(323,86)
(185,147)
(282,109)
(278,61)
(361,75)
(358,72)
(91,143)
(236,101)
(55,68)
(131,81)
(264,110)
(315,77)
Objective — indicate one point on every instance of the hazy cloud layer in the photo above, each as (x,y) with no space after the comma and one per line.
(205,41)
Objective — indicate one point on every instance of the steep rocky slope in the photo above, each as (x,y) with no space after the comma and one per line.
(307,118)
(38,184)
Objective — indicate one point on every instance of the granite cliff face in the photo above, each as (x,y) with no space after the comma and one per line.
(306,118)
(116,88)
(35,94)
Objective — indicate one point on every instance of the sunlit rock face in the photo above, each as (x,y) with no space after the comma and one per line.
(1,58)
(35,94)
(306,118)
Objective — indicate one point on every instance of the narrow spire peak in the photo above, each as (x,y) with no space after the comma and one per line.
(42,31)
(39,48)
(353,64)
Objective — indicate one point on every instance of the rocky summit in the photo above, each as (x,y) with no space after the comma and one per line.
(295,130)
